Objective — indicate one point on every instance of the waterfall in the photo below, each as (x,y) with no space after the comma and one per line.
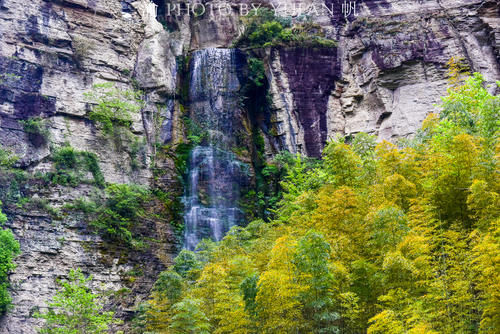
(214,174)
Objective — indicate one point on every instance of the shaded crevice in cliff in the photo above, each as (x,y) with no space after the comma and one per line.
(311,74)
(20,84)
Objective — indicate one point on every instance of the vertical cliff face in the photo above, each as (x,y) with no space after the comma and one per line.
(394,61)
(311,76)
(51,53)
(385,75)
(392,68)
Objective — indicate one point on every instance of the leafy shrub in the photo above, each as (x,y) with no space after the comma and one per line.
(186,264)
(71,166)
(264,29)
(122,209)
(169,284)
(83,205)
(9,249)
(266,33)
(194,132)
(41,204)
(7,159)
(113,107)
(65,158)
(13,181)
(257,72)
(37,131)
(305,34)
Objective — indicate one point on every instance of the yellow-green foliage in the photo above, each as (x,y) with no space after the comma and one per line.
(7,159)
(376,238)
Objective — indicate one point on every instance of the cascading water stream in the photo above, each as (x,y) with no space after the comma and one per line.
(214,174)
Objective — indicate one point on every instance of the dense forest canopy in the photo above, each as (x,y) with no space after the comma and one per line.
(377,238)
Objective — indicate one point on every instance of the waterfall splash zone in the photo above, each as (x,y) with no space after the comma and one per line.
(214,174)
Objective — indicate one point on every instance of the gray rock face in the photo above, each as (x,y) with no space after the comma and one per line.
(51,53)
(394,64)
(385,76)
(392,59)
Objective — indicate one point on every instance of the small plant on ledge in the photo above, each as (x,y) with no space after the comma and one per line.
(37,131)
(264,29)
(113,108)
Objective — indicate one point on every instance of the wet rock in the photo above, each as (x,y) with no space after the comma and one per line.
(311,75)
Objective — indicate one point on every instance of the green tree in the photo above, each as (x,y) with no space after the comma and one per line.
(342,164)
(75,309)
(9,249)
(167,291)
(170,285)
(311,260)
(189,318)
(186,264)
(278,307)
(486,265)
(249,290)
(389,227)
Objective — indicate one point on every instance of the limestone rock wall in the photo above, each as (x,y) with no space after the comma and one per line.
(392,69)
(51,53)
(385,76)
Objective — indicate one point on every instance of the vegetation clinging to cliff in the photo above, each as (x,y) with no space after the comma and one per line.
(9,249)
(264,29)
(37,131)
(112,107)
(71,166)
(121,210)
(75,308)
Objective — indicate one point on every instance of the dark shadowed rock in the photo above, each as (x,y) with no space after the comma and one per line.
(312,73)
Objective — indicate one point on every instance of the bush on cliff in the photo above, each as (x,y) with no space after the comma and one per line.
(76,309)
(113,108)
(9,249)
(36,128)
(121,211)
(72,167)
(264,29)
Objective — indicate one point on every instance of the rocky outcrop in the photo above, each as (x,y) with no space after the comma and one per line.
(311,75)
(386,74)
(392,59)
(51,53)
(394,63)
